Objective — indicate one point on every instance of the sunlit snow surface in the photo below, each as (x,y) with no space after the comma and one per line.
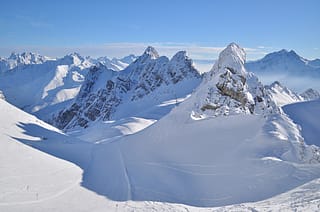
(211,162)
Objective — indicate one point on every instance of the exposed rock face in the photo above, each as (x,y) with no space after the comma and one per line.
(230,89)
(104,90)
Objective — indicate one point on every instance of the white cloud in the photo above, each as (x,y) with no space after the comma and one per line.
(195,51)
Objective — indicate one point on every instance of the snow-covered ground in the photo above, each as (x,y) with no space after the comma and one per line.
(108,174)
(306,114)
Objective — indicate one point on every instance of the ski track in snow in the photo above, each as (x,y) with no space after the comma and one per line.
(125,172)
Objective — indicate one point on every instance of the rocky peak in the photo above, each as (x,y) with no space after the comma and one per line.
(276,85)
(27,58)
(99,99)
(179,56)
(232,58)
(230,89)
(152,52)
(149,54)
(73,58)
(180,67)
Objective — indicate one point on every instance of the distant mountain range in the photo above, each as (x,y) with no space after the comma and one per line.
(285,62)
(53,84)
(289,68)
(43,85)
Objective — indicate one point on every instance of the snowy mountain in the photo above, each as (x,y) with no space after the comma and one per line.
(18,60)
(285,62)
(289,68)
(149,81)
(282,95)
(226,143)
(242,140)
(49,85)
(115,63)
(229,89)
(310,94)
(315,63)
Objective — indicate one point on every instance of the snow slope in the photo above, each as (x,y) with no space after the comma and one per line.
(44,86)
(306,114)
(29,176)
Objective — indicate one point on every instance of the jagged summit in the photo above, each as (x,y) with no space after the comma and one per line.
(27,58)
(230,89)
(152,52)
(149,79)
(181,55)
(233,58)
(73,58)
(128,59)
(149,54)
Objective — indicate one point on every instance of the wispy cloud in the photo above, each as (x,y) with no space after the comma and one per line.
(195,51)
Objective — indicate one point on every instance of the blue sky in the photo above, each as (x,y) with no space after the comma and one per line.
(119,27)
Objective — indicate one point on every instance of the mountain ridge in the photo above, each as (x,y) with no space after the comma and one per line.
(143,77)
